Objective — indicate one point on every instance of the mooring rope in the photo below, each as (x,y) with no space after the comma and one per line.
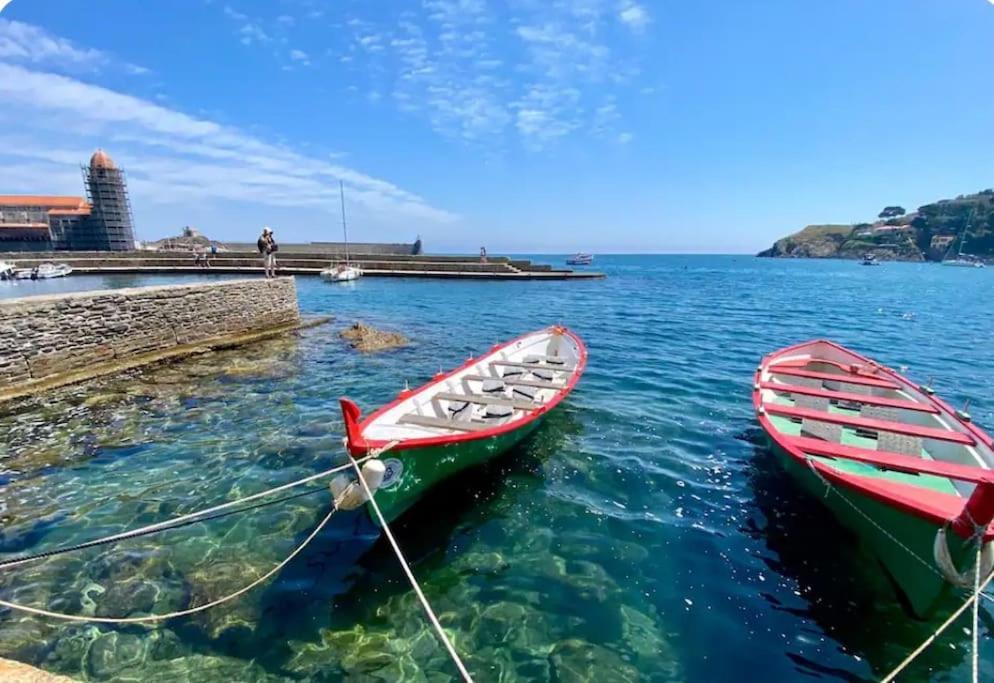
(410,576)
(182,520)
(175,525)
(179,613)
(972,600)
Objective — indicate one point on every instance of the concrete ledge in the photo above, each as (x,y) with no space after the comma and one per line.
(97,370)
(371,272)
(52,340)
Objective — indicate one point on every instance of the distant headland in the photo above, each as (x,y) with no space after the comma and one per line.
(965,223)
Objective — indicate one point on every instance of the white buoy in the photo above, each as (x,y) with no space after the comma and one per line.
(347,492)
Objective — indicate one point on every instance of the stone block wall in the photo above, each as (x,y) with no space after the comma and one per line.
(44,336)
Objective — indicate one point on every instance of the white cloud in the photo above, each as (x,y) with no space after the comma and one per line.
(625,138)
(300,57)
(634,16)
(249,30)
(52,120)
(286,20)
(29,44)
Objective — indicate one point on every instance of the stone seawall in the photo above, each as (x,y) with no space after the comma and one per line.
(43,338)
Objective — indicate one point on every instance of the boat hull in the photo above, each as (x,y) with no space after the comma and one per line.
(412,472)
(902,542)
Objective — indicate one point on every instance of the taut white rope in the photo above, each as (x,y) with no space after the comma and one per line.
(410,575)
(180,613)
(973,599)
(192,515)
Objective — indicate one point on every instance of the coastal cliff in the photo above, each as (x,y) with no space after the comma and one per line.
(923,235)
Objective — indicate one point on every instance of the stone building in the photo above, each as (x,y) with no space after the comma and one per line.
(100,222)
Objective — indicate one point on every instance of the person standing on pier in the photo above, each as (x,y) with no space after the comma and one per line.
(267,247)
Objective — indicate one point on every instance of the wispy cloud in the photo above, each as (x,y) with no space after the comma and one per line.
(29,44)
(300,57)
(634,16)
(50,120)
(250,30)
(534,70)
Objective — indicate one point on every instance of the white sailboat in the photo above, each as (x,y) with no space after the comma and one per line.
(962,260)
(342,272)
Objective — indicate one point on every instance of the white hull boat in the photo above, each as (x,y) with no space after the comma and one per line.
(45,271)
(345,273)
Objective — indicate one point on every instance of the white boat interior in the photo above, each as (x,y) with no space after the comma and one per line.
(855,416)
(503,386)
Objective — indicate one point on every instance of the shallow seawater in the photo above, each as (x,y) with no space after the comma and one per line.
(644,533)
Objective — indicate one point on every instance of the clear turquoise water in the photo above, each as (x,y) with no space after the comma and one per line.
(643,534)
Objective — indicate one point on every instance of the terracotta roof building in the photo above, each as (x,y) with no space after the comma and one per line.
(100,222)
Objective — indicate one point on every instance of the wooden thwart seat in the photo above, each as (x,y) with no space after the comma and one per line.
(901,404)
(871,424)
(892,461)
(534,383)
(442,423)
(860,380)
(489,400)
(531,366)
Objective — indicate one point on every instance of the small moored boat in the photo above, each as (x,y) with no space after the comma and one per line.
(6,270)
(461,418)
(580,260)
(44,271)
(911,476)
(343,272)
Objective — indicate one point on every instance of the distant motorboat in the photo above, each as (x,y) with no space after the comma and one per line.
(44,271)
(870,260)
(343,272)
(580,259)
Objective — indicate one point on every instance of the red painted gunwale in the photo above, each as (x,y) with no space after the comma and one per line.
(935,507)
(446,439)
(850,397)
(893,461)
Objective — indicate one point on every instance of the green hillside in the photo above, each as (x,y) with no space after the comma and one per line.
(925,234)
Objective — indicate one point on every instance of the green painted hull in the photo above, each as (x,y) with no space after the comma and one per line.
(891,535)
(420,469)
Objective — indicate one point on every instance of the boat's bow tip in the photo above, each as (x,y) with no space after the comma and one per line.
(351,414)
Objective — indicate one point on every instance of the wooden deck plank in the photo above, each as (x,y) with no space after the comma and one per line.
(871,424)
(854,398)
(531,366)
(832,377)
(442,423)
(488,400)
(534,383)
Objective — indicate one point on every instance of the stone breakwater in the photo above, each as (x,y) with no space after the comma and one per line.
(52,340)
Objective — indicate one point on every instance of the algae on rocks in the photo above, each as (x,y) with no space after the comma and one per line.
(368,339)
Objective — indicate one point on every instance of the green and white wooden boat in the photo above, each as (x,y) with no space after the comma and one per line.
(911,476)
(461,418)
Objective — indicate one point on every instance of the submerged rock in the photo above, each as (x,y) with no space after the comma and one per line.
(367,339)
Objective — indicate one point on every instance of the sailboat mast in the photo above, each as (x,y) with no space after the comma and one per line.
(345,230)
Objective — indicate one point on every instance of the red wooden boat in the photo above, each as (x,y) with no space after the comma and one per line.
(912,476)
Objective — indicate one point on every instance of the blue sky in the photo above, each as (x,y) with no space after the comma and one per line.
(524,125)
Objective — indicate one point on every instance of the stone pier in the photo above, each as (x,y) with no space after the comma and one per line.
(48,341)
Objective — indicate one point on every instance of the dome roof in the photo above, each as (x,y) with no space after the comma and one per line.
(101,159)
